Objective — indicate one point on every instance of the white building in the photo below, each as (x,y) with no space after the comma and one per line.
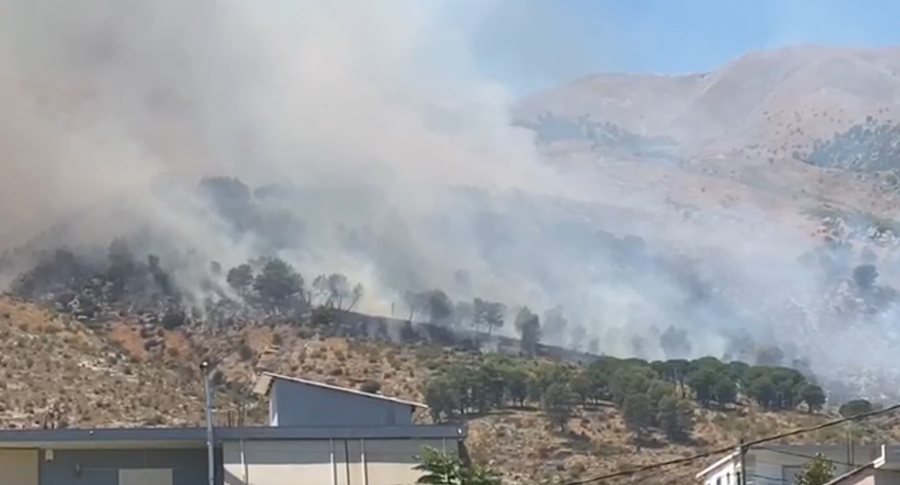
(780,464)
(317,434)
(884,470)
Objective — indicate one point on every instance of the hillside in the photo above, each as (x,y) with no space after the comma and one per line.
(753,129)
(104,375)
(771,98)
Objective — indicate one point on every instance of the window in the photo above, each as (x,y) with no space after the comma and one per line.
(719,481)
(728,478)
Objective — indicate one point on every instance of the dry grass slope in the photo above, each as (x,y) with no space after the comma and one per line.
(107,377)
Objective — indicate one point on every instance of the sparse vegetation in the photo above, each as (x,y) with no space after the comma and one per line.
(867,146)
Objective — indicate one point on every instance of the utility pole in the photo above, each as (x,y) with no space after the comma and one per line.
(210,450)
(742,451)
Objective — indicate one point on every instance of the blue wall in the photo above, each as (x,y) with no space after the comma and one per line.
(101,467)
(298,404)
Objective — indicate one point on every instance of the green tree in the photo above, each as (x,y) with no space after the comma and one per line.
(558,403)
(813,396)
(240,278)
(703,381)
(545,375)
(441,400)
(775,387)
(738,371)
(763,391)
(491,380)
(517,382)
(855,408)
(582,385)
(630,379)
(440,469)
(638,413)
(657,392)
(676,371)
(819,471)
(333,291)
(725,390)
(676,418)
(599,375)
(487,314)
(278,285)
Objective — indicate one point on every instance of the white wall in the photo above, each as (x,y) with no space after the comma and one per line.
(325,462)
(724,475)
(768,467)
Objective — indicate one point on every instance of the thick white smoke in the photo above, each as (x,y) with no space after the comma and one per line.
(404,168)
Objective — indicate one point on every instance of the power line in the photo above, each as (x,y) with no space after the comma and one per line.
(814,457)
(745,445)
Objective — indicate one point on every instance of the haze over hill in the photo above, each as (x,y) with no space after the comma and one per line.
(637,203)
(767,98)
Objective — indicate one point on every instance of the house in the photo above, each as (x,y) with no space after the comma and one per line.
(883,470)
(301,402)
(780,464)
(317,434)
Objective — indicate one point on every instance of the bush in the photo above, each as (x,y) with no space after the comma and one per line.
(855,408)
(370,386)
(813,396)
(245,352)
(173,319)
(277,339)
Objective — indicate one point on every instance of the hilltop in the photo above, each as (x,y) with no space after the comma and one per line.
(773,99)
(748,130)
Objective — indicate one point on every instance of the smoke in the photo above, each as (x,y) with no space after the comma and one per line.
(377,150)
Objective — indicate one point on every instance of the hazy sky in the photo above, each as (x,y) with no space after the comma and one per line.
(530,44)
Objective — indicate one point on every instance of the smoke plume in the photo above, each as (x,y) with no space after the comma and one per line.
(375,149)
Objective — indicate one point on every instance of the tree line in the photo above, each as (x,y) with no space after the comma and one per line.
(659,395)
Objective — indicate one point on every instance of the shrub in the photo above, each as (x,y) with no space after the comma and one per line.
(245,352)
(855,408)
(370,386)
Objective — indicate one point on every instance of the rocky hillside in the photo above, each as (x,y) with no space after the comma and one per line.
(774,99)
(756,131)
(118,374)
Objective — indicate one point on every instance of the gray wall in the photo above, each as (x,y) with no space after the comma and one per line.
(297,404)
(101,467)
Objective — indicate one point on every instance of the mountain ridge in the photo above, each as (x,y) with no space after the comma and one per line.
(735,99)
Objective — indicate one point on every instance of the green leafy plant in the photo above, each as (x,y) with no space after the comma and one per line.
(441,469)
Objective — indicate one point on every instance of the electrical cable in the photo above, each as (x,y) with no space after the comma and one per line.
(745,445)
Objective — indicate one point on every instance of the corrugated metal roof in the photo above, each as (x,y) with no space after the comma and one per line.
(263,386)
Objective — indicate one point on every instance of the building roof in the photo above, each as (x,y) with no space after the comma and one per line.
(717,464)
(264,386)
(196,437)
(852,473)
